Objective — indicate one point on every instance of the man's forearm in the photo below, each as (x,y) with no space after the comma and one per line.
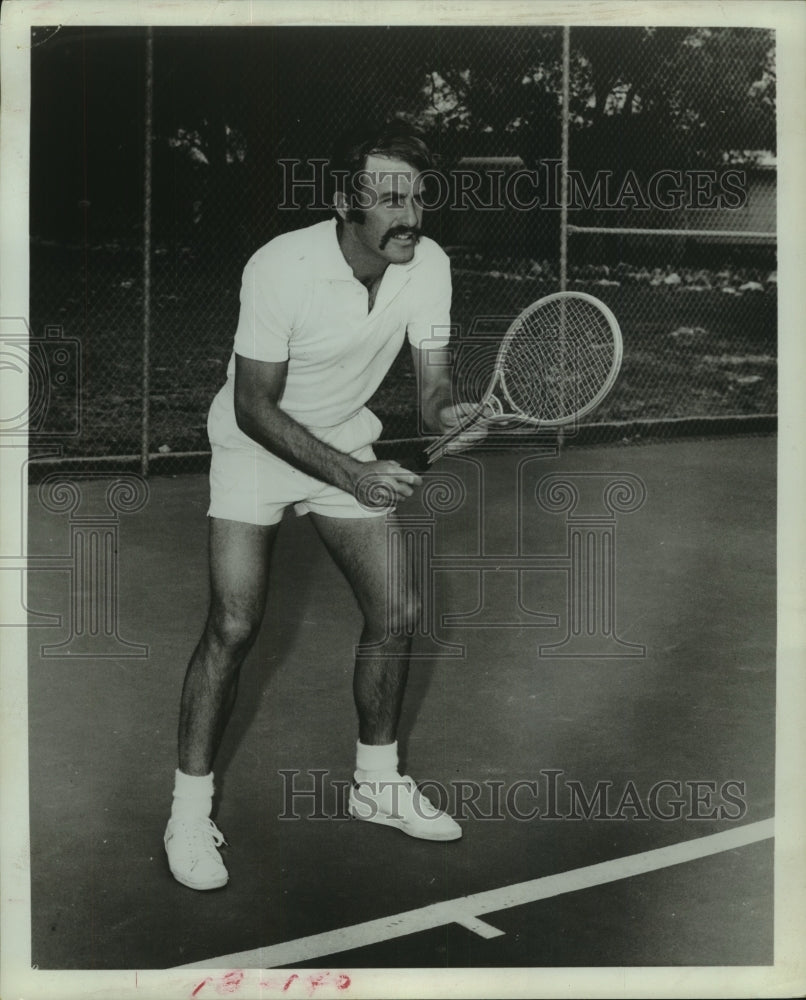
(280,434)
(433,402)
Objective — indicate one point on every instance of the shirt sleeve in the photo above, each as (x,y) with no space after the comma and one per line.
(430,326)
(266,318)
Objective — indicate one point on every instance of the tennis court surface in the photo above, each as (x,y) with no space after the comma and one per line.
(656,848)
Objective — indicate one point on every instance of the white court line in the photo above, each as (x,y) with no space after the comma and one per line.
(465,909)
(480,927)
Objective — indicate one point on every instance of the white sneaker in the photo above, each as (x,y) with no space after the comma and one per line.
(399,803)
(191,845)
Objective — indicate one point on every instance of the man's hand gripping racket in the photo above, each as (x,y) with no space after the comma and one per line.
(558,360)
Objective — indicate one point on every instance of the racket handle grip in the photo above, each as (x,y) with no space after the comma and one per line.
(437,448)
(440,447)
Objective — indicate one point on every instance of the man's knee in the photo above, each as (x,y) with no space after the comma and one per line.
(233,629)
(400,614)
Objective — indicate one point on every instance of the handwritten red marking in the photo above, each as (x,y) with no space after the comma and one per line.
(230,981)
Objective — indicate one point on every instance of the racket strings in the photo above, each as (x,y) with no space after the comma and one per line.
(558,359)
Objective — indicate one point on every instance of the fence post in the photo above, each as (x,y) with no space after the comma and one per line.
(147,182)
(566,106)
(566,111)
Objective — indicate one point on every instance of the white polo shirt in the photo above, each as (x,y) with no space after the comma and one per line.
(301,303)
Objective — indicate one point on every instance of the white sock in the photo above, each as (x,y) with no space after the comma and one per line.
(193,796)
(375,762)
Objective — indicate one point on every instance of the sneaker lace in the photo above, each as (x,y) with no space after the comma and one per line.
(206,836)
(425,806)
(217,835)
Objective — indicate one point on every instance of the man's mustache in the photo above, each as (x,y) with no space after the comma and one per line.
(400,231)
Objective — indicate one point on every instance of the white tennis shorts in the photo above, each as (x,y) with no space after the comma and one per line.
(250,484)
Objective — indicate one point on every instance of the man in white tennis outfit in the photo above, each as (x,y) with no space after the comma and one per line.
(324,312)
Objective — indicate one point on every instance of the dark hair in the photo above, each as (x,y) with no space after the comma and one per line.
(396,139)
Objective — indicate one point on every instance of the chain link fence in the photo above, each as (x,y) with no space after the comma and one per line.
(632,163)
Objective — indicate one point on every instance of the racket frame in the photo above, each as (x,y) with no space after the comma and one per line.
(436,448)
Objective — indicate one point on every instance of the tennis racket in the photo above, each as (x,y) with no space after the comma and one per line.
(558,360)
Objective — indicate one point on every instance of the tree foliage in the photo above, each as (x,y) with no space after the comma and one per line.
(229,103)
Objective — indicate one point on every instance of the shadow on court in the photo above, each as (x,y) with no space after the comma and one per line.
(621,754)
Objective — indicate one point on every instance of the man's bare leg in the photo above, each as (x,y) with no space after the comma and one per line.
(359,547)
(239,568)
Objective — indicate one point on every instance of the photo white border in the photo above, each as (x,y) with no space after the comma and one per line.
(788,976)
